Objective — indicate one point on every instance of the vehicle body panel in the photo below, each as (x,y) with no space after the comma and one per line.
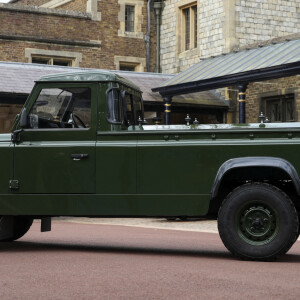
(141,174)
(6,154)
(131,171)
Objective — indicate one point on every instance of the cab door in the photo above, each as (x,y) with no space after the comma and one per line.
(56,152)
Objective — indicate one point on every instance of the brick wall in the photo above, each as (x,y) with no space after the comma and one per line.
(76,5)
(32,2)
(282,86)
(7,116)
(60,30)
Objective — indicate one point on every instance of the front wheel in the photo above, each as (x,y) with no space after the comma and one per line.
(258,222)
(13,228)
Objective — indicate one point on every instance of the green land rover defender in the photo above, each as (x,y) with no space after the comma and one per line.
(80,147)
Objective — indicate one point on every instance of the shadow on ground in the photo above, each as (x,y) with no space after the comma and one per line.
(20,246)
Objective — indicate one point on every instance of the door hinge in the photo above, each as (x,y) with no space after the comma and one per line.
(14,184)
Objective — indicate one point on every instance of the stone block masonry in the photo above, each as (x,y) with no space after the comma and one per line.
(224,26)
(265,19)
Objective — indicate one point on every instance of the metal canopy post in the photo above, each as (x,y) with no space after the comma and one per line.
(167,103)
(242,102)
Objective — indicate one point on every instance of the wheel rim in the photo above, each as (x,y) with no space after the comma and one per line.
(257,223)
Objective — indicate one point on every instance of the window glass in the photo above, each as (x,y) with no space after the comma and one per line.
(62,108)
(59,62)
(129,109)
(138,108)
(114,107)
(124,67)
(279,108)
(189,27)
(52,61)
(129,18)
(194,8)
(134,109)
(39,60)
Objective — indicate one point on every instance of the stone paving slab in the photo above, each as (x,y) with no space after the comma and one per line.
(199,225)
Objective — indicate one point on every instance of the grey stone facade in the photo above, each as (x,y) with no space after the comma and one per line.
(224,26)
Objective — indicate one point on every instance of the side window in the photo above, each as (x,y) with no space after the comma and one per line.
(114,106)
(130,117)
(138,108)
(134,109)
(123,107)
(68,107)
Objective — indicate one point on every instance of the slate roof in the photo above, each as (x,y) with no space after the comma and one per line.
(263,62)
(19,78)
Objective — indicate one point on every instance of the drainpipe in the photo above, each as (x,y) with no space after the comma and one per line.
(148,35)
(157,9)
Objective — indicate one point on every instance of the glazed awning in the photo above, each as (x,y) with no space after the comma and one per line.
(261,63)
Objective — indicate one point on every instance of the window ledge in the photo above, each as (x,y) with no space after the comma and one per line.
(136,35)
(191,52)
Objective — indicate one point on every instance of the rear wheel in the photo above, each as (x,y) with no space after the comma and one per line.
(13,228)
(258,222)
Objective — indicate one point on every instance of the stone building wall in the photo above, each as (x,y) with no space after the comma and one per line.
(266,19)
(224,26)
(211,21)
(211,18)
(210,34)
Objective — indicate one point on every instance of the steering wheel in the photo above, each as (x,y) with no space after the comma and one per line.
(73,117)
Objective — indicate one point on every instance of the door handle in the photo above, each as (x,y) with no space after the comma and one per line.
(79,156)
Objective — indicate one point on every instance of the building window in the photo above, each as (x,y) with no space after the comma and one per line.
(127,67)
(129,18)
(53,57)
(132,18)
(52,61)
(279,108)
(189,30)
(130,63)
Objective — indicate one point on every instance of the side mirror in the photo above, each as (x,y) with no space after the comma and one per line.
(23,118)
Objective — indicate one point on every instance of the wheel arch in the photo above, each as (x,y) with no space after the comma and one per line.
(246,168)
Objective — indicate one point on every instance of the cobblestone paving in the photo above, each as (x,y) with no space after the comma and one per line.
(186,225)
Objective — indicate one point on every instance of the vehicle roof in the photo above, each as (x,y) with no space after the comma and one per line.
(90,76)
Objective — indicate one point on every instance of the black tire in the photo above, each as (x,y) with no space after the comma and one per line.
(258,221)
(13,228)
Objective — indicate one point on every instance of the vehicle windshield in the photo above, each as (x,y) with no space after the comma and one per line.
(61,107)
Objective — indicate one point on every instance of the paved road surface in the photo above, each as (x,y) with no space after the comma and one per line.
(91,261)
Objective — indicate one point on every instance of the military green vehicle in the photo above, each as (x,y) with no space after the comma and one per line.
(80,147)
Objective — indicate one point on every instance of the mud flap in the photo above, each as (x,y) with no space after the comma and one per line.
(46,224)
